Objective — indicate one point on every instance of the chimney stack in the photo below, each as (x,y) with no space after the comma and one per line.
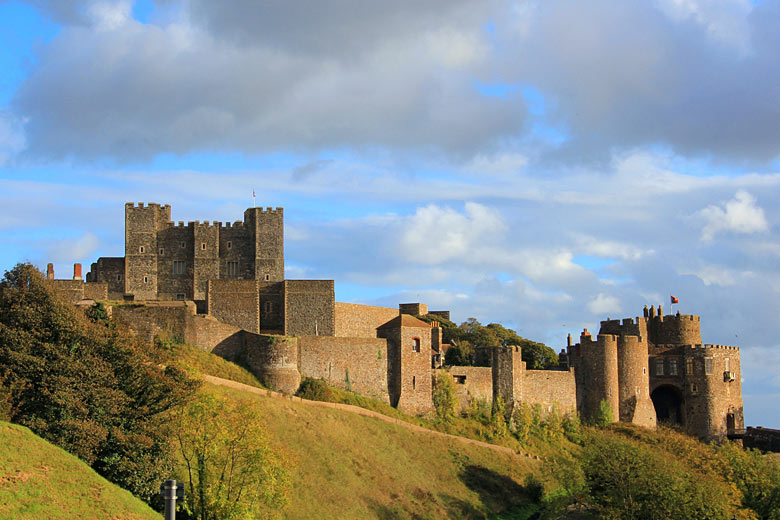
(77,271)
(50,272)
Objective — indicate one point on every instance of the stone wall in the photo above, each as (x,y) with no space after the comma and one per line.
(209,334)
(155,319)
(355,364)
(472,383)
(309,308)
(765,439)
(96,291)
(236,302)
(110,270)
(550,388)
(360,321)
(70,290)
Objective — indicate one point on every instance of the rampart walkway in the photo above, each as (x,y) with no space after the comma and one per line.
(359,411)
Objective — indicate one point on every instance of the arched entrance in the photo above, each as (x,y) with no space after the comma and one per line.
(668,404)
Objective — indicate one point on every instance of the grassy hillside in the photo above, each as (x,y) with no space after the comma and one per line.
(40,481)
(349,466)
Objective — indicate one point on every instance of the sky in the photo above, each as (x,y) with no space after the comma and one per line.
(544,165)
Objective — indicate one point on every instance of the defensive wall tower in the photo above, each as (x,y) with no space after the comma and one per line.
(596,373)
(712,393)
(507,370)
(142,223)
(634,382)
(267,226)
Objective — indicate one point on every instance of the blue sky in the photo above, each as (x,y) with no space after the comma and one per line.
(543,165)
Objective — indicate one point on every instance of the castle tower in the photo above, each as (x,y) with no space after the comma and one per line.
(266,228)
(681,329)
(409,374)
(713,393)
(142,224)
(508,367)
(634,382)
(596,374)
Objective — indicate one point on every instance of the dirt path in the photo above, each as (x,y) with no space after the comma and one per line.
(359,411)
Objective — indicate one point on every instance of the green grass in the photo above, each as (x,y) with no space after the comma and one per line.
(197,361)
(350,466)
(40,481)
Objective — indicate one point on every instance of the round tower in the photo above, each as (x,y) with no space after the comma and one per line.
(634,382)
(682,329)
(274,359)
(599,377)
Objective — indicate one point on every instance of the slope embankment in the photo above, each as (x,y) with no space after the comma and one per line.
(39,481)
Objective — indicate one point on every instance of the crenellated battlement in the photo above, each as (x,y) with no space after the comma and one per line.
(709,346)
(233,225)
(270,210)
(147,205)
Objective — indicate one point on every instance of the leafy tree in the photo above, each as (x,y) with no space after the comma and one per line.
(628,480)
(93,390)
(757,476)
(445,398)
(231,469)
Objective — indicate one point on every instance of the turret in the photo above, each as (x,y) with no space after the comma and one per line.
(267,242)
(634,382)
(142,222)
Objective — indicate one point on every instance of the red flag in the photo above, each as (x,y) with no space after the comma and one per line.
(675,300)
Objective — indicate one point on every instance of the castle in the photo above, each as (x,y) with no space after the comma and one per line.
(221,287)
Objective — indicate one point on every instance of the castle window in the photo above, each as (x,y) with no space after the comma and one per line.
(119,278)
(728,365)
(178,267)
(694,389)
(689,367)
(230,245)
(232,268)
(708,366)
(461,380)
(141,249)
(644,370)
(269,307)
(203,246)
(659,367)
(414,382)
(162,251)
(183,245)
(672,367)
(267,277)
(146,279)
(180,296)
(416,345)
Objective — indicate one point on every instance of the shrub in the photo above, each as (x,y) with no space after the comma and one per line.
(498,421)
(445,399)
(314,390)
(757,476)
(605,415)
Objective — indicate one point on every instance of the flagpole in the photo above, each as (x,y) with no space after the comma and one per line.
(254,203)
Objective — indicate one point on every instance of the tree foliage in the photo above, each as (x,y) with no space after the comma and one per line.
(472,344)
(629,480)
(757,476)
(230,467)
(93,390)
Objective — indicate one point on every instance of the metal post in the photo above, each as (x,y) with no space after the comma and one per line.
(169,491)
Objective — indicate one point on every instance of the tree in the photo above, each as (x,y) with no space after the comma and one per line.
(230,467)
(445,398)
(91,389)
(627,480)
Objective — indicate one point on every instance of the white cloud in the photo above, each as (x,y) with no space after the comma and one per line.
(739,215)
(435,235)
(603,304)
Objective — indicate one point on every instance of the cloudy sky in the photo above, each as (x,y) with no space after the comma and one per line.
(545,165)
